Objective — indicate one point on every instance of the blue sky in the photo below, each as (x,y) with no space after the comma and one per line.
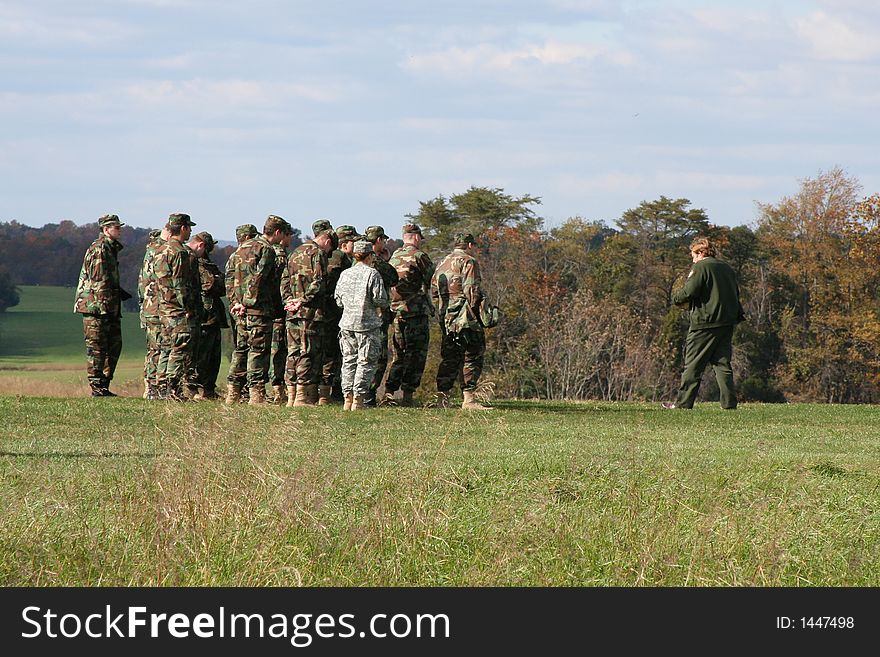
(356,111)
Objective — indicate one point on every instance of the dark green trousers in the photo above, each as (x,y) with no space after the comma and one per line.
(713,346)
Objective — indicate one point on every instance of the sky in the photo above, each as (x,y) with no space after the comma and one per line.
(356,111)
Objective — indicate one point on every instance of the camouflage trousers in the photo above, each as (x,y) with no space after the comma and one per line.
(461,354)
(409,344)
(207,360)
(258,334)
(239,358)
(305,351)
(360,355)
(330,370)
(382,363)
(103,336)
(278,357)
(179,339)
(154,349)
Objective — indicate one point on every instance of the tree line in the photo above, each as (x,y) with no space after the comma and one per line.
(586,307)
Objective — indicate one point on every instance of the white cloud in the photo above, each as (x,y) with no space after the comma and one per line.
(831,38)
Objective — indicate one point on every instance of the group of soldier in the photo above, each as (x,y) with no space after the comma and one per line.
(282,314)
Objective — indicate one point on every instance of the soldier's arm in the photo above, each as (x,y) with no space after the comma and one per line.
(691,288)
(286,293)
(470,283)
(378,293)
(261,268)
(180,278)
(315,291)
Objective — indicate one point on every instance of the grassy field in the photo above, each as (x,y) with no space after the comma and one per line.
(42,351)
(127,492)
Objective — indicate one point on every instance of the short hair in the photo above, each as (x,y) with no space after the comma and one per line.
(174,229)
(274,222)
(704,246)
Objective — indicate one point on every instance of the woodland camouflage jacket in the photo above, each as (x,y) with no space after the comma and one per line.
(304,279)
(337,262)
(414,269)
(253,277)
(149,301)
(97,292)
(176,274)
(455,289)
(213,291)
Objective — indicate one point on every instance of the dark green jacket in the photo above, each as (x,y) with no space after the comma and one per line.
(712,295)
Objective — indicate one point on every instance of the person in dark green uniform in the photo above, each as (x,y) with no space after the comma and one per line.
(711,294)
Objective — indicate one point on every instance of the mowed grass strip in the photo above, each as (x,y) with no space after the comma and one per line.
(127,492)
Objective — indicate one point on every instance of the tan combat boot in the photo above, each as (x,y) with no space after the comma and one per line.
(306,395)
(349,400)
(291,395)
(146,388)
(279,396)
(324,393)
(357,403)
(200,394)
(407,399)
(233,393)
(470,402)
(258,395)
(442,400)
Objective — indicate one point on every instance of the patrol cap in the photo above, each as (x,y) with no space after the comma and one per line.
(322,227)
(109,220)
(412,228)
(207,238)
(375,232)
(363,246)
(347,233)
(245,231)
(180,219)
(274,222)
(463,239)
(155,233)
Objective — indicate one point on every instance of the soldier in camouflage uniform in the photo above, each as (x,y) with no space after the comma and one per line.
(207,360)
(99,299)
(361,295)
(377,237)
(339,260)
(237,377)
(149,312)
(178,290)
(455,289)
(303,290)
(411,305)
(253,278)
(278,356)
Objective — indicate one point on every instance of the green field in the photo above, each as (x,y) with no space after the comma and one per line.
(127,492)
(42,351)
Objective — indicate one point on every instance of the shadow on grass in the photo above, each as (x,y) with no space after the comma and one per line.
(567,407)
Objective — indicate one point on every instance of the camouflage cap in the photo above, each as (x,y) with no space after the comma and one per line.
(412,228)
(321,227)
(245,231)
(347,233)
(274,222)
(155,233)
(463,239)
(363,246)
(375,232)
(207,238)
(180,219)
(109,220)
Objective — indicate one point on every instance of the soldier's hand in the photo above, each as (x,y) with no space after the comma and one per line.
(293,306)
(237,310)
